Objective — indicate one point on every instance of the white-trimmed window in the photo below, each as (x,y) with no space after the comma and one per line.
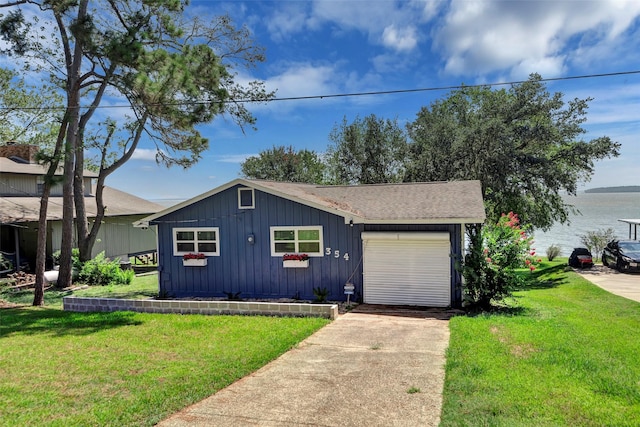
(300,240)
(205,240)
(246,198)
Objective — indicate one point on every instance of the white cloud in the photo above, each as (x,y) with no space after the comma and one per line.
(391,24)
(614,103)
(548,66)
(289,19)
(400,39)
(356,82)
(233,158)
(430,9)
(147,154)
(478,37)
(300,80)
(304,79)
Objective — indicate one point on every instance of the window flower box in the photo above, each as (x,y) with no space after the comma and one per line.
(194,260)
(295,261)
(295,264)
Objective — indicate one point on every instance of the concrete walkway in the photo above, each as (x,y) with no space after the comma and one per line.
(623,284)
(356,371)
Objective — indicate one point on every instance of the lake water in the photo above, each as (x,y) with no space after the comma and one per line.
(597,211)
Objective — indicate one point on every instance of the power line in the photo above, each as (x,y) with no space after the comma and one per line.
(349,94)
(461,86)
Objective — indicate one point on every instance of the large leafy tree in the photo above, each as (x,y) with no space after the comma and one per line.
(173,74)
(285,164)
(524,144)
(367,151)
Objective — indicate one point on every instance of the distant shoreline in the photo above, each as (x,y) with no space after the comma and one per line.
(621,189)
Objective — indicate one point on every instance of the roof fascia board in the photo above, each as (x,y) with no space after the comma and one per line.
(424,221)
(85,174)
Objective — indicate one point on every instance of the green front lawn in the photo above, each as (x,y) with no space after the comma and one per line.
(143,286)
(127,369)
(566,353)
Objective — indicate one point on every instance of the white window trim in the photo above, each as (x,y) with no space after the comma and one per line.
(174,232)
(253,198)
(273,229)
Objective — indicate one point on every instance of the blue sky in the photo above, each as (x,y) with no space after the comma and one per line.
(334,47)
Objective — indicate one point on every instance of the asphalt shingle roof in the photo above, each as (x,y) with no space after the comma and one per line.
(118,203)
(9,166)
(426,202)
(406,201)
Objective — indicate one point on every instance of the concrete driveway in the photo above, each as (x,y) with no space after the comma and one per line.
(623,284)
(376,366)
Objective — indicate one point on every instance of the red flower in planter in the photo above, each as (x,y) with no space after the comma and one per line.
(295,257)
(194,256)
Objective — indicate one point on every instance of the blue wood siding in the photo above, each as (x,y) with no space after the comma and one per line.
(250,269)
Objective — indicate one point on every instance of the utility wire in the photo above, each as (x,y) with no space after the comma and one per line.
(438,88)
(346,95)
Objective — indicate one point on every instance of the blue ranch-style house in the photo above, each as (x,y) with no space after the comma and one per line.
(396,243)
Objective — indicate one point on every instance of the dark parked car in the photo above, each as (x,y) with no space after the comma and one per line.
(624,255)
(581,258)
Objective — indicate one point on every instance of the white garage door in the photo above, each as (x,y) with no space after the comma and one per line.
(407,268)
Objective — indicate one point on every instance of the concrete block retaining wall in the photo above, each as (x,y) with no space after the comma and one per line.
(78,304)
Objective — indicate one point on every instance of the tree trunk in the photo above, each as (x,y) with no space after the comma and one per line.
(66,245)
(41,249)
(82,229)
(90,240)
(41,254)
(74,59)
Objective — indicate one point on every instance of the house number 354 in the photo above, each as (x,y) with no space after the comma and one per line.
(336,254)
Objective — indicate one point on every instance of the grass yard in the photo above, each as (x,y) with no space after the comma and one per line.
(127,369)
(144,286)
(566,353)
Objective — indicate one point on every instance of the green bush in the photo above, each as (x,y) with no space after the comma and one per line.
(495,252)
(124,277)
(76,264)
(596,241)
(321,294)
(102,271)
(552,252)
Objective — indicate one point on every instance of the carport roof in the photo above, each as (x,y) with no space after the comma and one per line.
(118,203)
(454,202)
(634,223)
(11,166)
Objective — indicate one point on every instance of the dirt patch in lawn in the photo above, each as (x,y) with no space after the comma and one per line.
(7,304)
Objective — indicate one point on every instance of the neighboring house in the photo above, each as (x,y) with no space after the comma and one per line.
(397,243)
(21,181)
